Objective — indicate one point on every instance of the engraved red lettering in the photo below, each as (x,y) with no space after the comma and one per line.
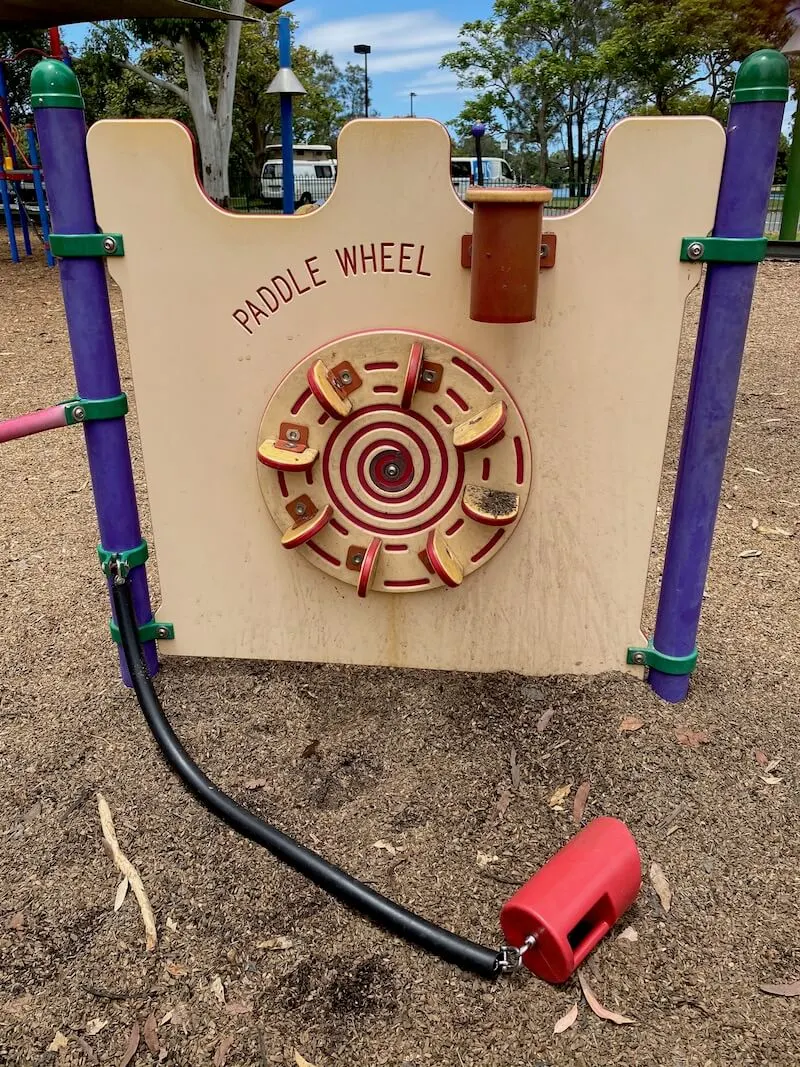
(298,290)
(314,271)
(371,256)
(285,296)
(424,273)
(405,258)
(242,321)
(385,255)
(347,261)
(272,304)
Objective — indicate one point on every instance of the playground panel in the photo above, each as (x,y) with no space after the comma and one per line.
(220,309)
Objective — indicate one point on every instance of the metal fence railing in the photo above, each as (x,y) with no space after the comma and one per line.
(250,195)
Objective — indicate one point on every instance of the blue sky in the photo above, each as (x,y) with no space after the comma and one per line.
(407,44)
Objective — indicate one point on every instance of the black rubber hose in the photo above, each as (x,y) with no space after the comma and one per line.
(448,946)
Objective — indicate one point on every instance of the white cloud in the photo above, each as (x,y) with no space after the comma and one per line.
(433,83)
(400,41)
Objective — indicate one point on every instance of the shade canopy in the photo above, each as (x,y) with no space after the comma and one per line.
(15,14)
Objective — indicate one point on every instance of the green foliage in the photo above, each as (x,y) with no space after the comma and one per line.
(18,71)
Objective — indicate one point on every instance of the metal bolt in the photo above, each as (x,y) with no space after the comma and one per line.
(695,250)
(391,470)
(358,559)
(162,632)
(638,658)
(79,414)
(293,436)
(345,377)
(542,251)
(109,245)
(300,509)
(429,376)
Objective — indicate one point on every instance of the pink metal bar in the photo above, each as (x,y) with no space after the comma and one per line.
(33,422)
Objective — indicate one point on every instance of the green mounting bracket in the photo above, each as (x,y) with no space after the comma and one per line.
(86,245)
(149,631)
(659,661)
(126,561)
(723,249)
(80,410)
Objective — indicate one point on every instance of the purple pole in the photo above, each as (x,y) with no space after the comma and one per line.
(754,126)
(58,108)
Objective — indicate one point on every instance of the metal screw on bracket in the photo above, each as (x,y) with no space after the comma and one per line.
(109,245)
(391,470)
(162,632)
(79,414)
(695,250)
(542,251)
(638,659)
(429,376)
(293,436)
(345,377)
(300,509)
(358,559)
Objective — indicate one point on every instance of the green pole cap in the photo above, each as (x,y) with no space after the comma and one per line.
(53,84)
(764,75)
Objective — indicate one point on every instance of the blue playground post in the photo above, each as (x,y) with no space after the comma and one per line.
(58,108)
(40,198)
(287,133)
(754,125)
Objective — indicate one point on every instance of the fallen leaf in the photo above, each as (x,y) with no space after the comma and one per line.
(167,1017)
(163,1055)
(150,1034)
(301,1061)
(791,990)
(770,779)
(385,846)
(238,1007)
(171,924)
(503,801)
(175,969)
(692,738)
(514,768)
(94,1026)
(310,749)
(750,553)
(88,1052)
(58,1042)
(754,524)
(566,1021)
(217,989)
(131,1047)
(122,892)
(17,921)
(773,531)
(544,719)
(225,1045)
(19,1005)
(659,882)
(760,757)
(628,934)
(179,1016)
(255,783)
(276,944)
(630,723)
(599,1010)
(752,470)
(483,859)
(556,801)
(579,802)
(33,812)
(773,763)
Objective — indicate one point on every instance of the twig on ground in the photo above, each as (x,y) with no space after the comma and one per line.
(128,871)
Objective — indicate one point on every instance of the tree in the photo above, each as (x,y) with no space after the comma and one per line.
(350,91)
(32,44)
(666,51)
(536,68)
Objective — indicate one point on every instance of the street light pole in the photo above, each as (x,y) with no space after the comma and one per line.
(411,97)
(364,50)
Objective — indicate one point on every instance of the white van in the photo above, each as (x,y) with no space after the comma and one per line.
(464,172)
(314,174)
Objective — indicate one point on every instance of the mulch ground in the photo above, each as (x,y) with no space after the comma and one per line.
(403,777)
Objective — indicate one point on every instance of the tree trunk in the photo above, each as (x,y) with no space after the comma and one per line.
(598,134)
(570,143)
(542,133)
(214,127)
(581,161)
